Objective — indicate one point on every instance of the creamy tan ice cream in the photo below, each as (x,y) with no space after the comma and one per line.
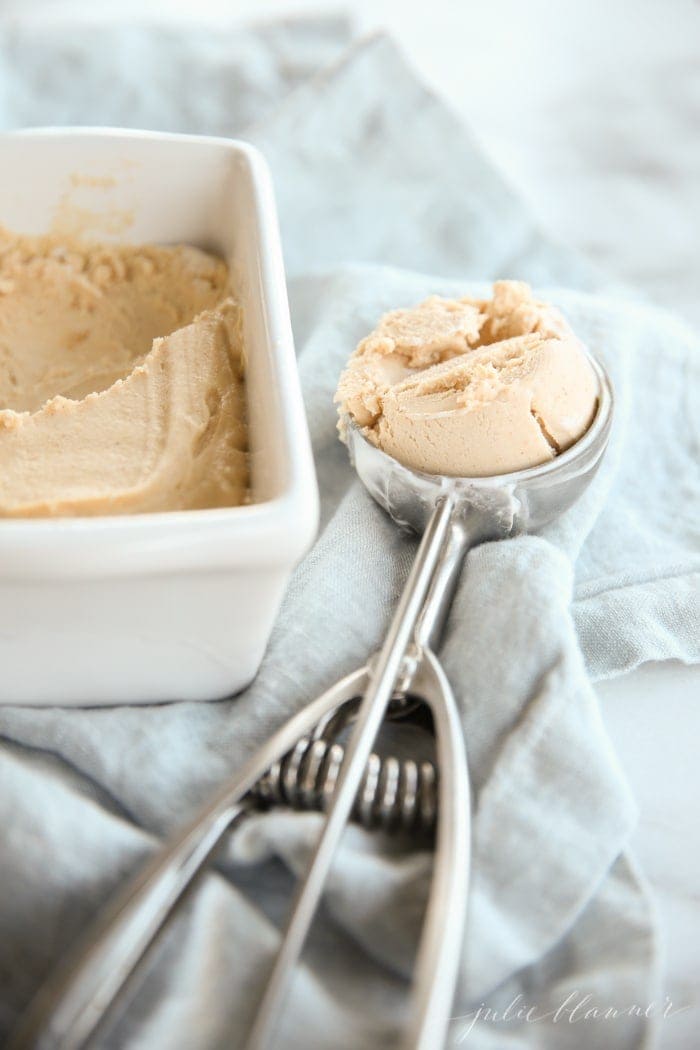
(471,387)
(121,379)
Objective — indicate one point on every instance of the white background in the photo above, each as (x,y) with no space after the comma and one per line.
(592,109)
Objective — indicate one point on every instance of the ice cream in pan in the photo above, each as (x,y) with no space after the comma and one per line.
(121,379)
(471,387)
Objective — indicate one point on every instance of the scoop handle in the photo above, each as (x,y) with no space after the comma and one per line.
(76,997)
(420,614)
(448,568)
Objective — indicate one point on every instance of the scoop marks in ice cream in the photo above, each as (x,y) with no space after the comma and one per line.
(121,379)
(471,387)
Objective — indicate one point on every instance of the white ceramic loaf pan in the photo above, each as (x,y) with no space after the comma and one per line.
(169,606)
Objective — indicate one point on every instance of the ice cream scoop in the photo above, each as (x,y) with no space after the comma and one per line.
(453,514)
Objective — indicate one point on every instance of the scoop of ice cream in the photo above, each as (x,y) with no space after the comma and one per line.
(471,387)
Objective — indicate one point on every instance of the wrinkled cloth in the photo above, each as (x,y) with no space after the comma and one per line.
(374,217)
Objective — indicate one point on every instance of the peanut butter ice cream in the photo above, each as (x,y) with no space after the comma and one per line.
(471,387)
(121,379)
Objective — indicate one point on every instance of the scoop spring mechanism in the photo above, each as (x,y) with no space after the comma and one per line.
(395,794)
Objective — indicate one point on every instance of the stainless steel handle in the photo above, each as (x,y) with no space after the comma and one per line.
(438,602)
(76,998)
(424,601)
(70,1007)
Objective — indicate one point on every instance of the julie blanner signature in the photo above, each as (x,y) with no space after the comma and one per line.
(576,1008)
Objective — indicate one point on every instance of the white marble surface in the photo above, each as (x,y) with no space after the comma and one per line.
(593,110)
(653,718)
